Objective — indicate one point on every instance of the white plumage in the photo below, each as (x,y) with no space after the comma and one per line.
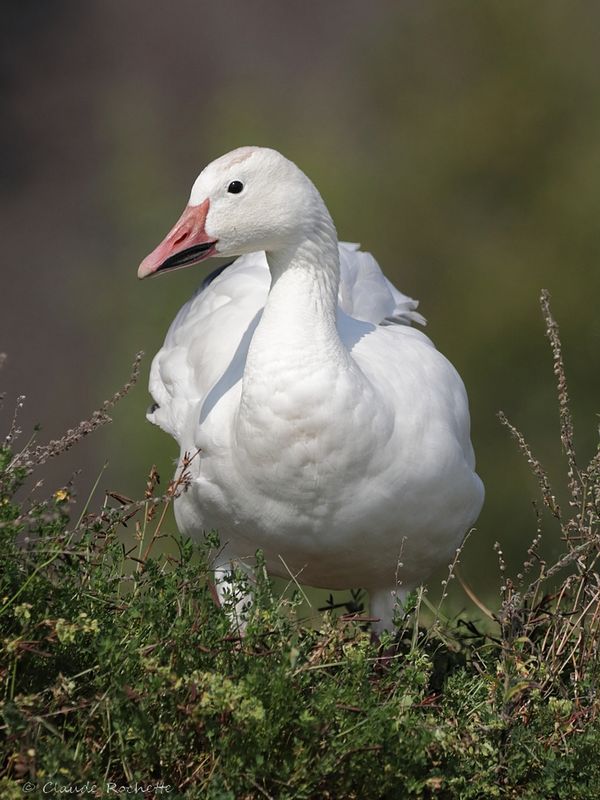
(332,435)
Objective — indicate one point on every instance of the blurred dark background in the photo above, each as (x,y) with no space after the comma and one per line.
(457,141)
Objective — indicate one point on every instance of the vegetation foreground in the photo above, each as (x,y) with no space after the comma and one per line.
(122,676)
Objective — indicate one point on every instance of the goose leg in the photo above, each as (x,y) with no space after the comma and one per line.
(232,594)
(383,603)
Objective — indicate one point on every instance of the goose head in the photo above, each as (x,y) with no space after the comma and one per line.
(250,199)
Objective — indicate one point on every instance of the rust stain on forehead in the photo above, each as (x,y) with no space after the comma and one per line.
(242,154)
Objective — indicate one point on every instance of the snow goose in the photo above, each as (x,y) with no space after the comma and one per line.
(332,434)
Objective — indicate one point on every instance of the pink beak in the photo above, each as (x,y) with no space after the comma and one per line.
(186,243)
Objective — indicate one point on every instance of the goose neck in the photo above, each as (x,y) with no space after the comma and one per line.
(304,280)
(296,354)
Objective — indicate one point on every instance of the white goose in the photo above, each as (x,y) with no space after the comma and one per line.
(332,435)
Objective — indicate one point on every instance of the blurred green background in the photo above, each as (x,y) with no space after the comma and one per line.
(457,141)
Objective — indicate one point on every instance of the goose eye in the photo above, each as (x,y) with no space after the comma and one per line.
(235,187)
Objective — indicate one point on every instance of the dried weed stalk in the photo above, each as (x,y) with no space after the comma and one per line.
(31,456)
(551,632)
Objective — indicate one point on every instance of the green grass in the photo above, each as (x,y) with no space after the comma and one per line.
(117,665)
